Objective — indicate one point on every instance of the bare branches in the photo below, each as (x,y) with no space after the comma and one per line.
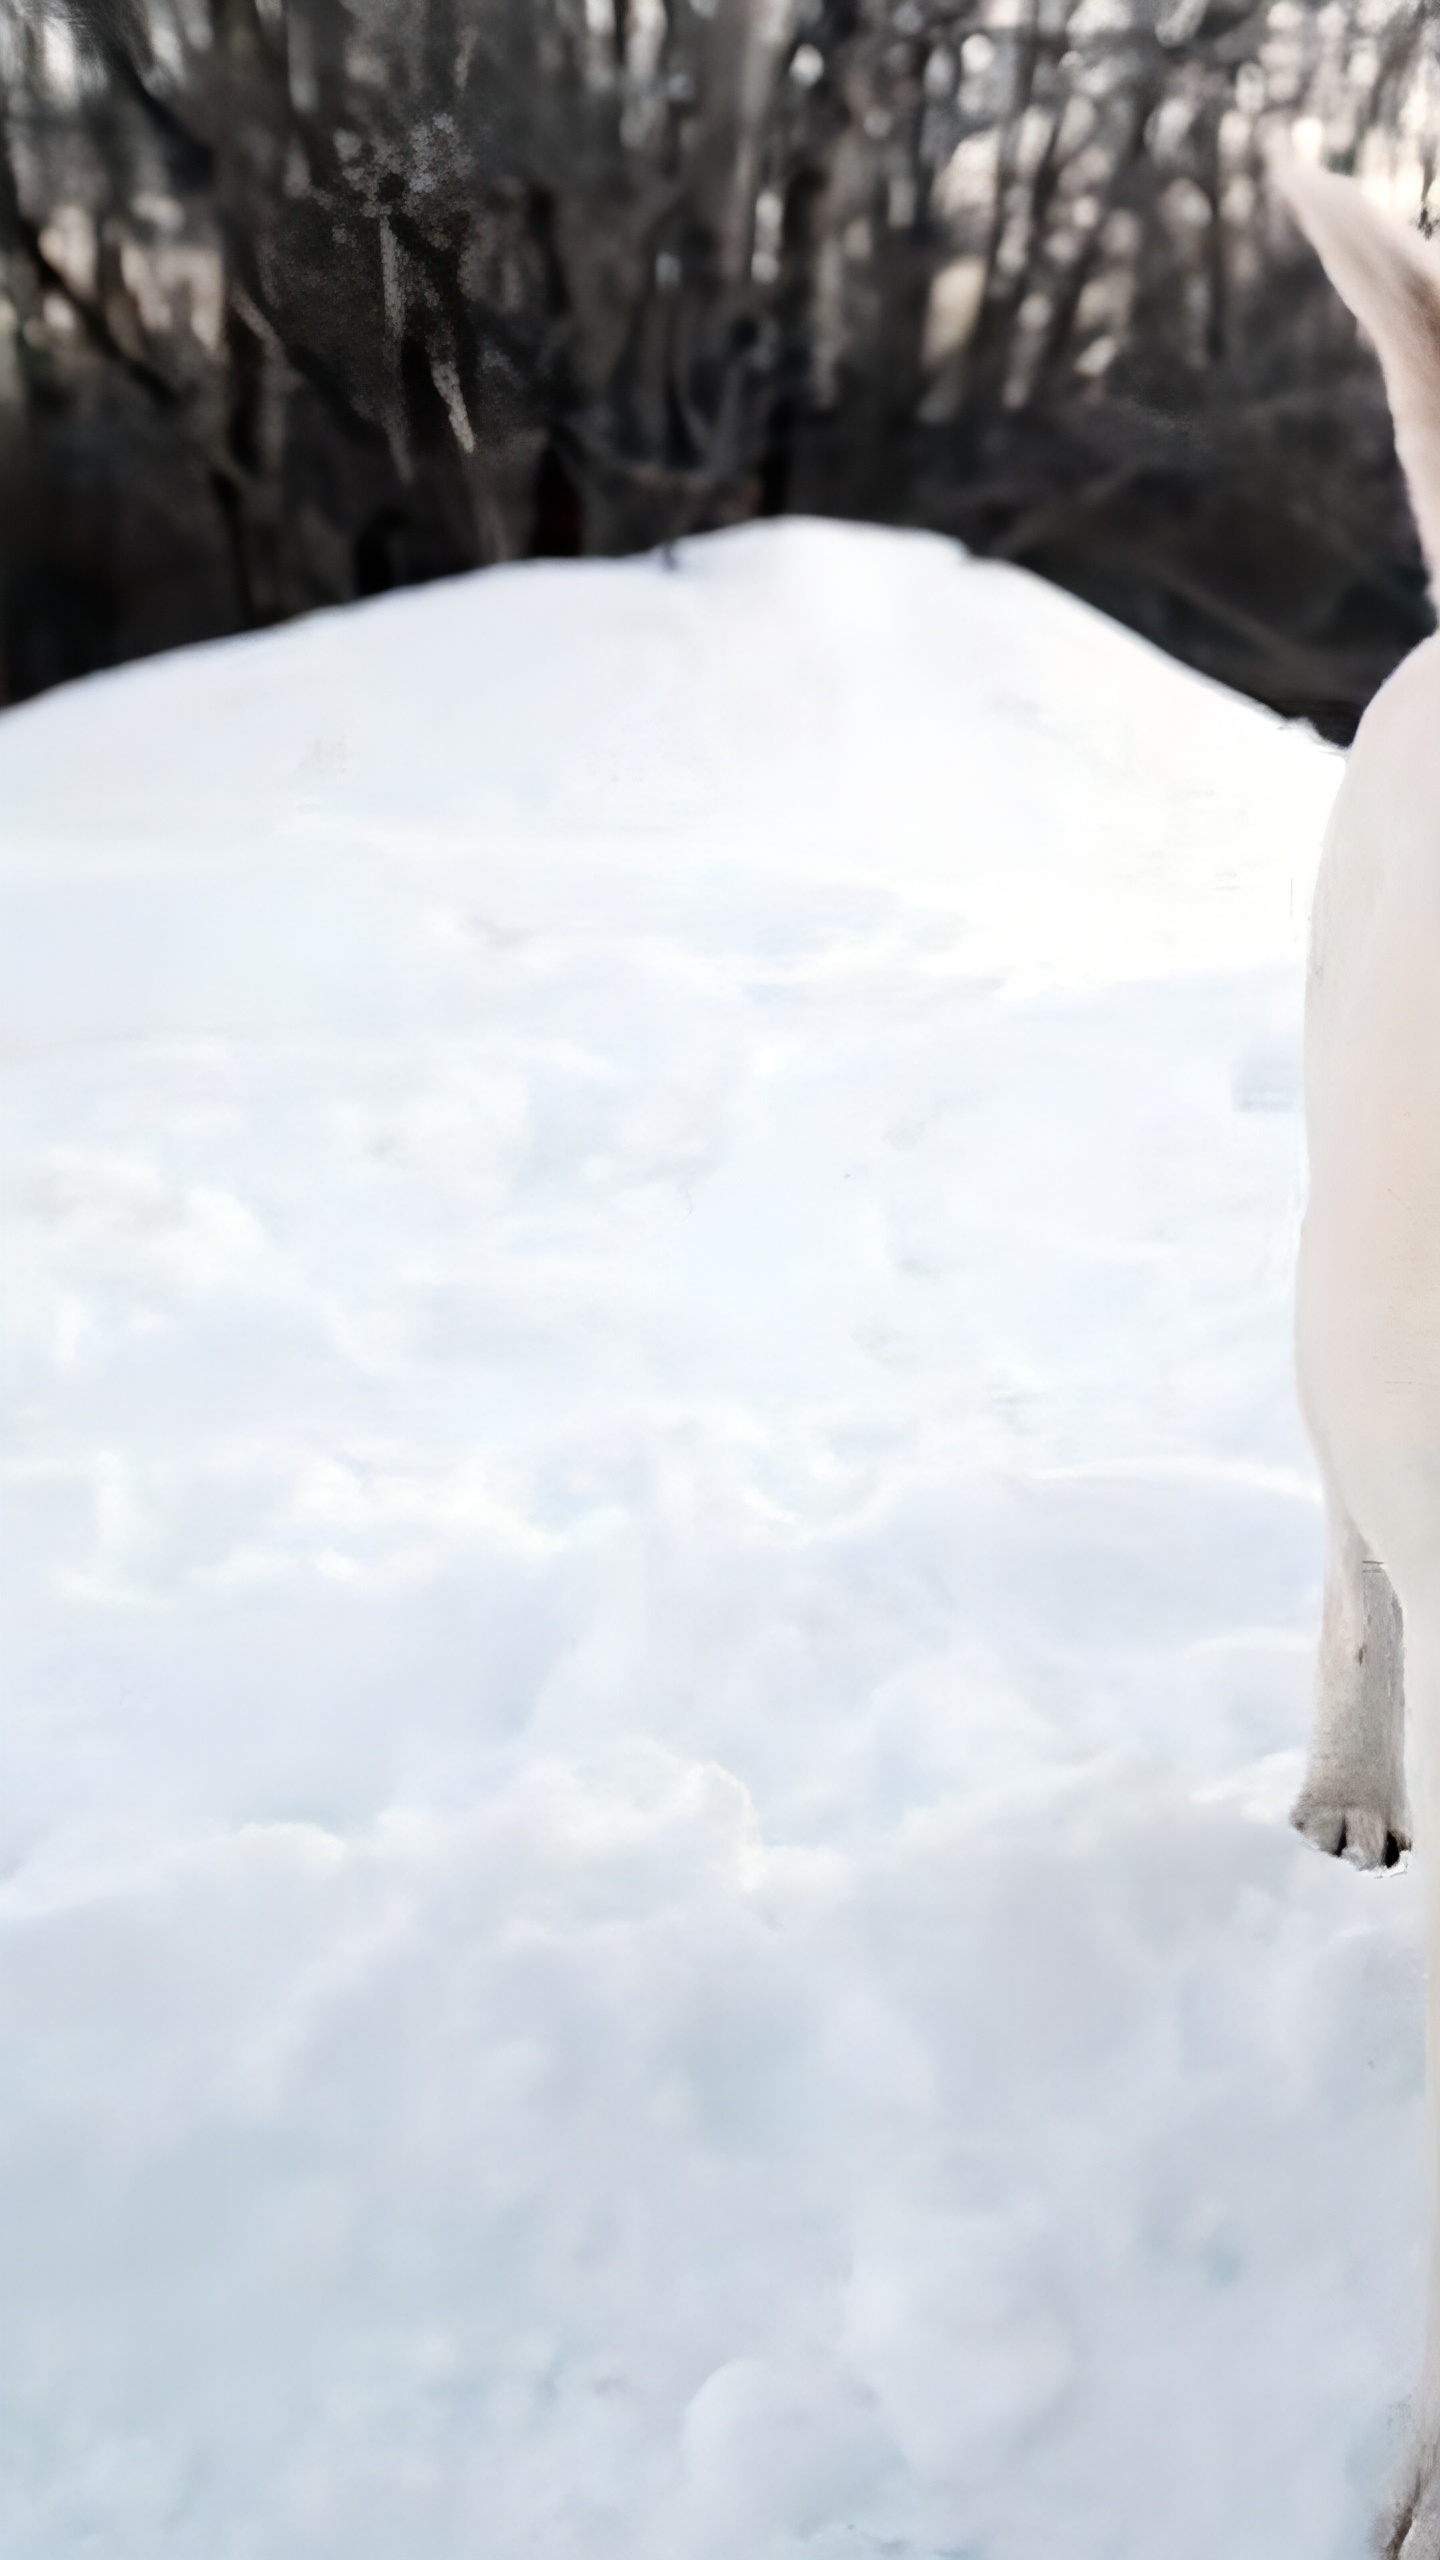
(414,284)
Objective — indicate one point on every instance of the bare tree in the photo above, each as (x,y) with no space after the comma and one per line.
(306,298)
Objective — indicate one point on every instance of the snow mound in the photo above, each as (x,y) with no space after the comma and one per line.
(661,1580)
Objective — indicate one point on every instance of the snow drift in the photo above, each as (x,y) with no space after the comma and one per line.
(661,1583)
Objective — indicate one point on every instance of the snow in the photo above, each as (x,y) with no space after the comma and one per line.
(661,1585)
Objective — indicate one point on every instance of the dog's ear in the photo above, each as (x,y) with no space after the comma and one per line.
(1390,277)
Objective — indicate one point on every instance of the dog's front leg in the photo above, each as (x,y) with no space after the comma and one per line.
(1353,1800)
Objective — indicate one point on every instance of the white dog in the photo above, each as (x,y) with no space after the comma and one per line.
(1368,1301)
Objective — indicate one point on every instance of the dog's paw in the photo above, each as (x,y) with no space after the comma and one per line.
(1411,2530)
(1365,1835)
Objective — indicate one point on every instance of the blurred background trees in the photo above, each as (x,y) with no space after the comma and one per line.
(303,299)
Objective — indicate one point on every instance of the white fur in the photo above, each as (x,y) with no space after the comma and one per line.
(1368,1299)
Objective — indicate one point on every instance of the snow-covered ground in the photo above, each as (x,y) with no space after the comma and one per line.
(661,1575)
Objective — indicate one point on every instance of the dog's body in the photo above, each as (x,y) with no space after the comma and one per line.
(1368,1300)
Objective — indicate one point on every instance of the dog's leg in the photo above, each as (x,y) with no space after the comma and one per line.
(1353,1800)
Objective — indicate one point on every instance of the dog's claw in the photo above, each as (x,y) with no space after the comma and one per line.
(1360,1834)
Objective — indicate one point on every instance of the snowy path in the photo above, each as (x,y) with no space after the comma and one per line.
(661,1573)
